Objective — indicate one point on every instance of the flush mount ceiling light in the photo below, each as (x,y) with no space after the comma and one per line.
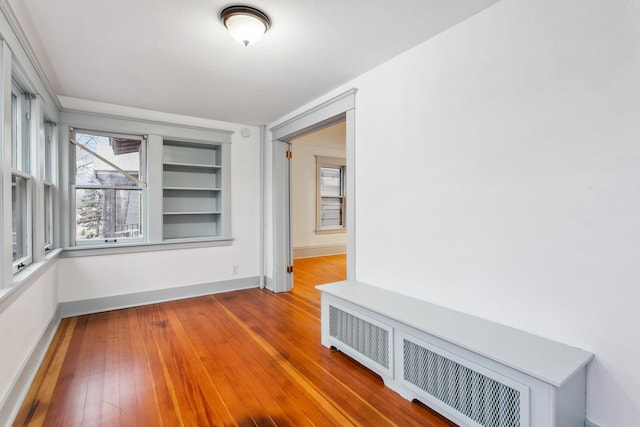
(246,24)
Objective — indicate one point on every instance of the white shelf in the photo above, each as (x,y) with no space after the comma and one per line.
(192,213)
(191,165)
(189,153)
(193,188)
(191,177)
(190,226)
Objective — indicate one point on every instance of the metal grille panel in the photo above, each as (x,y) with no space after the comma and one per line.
(364,337)
(483,399)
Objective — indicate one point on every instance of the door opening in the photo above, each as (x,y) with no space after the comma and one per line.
(318,206)
(340,109)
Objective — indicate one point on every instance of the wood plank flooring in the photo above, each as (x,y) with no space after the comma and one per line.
(246,358)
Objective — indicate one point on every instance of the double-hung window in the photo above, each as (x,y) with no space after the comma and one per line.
(108,187)
(330,189)
(21,180)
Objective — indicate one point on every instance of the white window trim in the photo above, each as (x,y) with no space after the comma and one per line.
(48,213)
(49,181)
(330,162)
(21,126)
(26,260)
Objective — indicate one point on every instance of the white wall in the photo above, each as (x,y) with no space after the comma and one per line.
(512,143)
(109,275)
(24,319)
(303,189)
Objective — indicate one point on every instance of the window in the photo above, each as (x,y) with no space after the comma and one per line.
(21,181)
(49,186)
(330,178)
(108,189)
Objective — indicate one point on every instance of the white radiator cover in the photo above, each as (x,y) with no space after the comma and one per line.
(362,337)
(472,388)
(478,395)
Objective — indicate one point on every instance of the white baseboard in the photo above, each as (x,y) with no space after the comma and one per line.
(10,405)
(96,305)
(588,423)
(314,251)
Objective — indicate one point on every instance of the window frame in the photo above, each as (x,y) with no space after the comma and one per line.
(142,174)
(323,162)
(48,191)
(48,185)
(21,140)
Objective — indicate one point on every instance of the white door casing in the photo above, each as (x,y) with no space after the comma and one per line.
(283,256)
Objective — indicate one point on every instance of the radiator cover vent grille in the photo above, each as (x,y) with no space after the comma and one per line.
(480,398)
(366,338)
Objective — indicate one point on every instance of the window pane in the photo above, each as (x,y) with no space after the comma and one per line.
(48,216)
(330,182)
(14,132)
(47,152)
(19,134)
(19,197)
(108,214)
(331,212)
(96,170)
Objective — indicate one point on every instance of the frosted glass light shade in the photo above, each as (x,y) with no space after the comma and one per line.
(246,24)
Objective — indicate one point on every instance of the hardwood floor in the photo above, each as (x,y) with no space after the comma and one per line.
(309,272)
(245,358)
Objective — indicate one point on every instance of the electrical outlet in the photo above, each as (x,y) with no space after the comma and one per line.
(234,270)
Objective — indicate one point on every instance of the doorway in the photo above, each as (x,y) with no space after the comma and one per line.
(318,207)
(340,109)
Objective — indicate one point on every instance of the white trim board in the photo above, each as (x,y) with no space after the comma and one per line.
(106,123)
(323,115)
(269,283)
(167,245)
(318,251)
(116,302)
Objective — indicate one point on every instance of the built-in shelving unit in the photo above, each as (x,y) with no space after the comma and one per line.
(192,177)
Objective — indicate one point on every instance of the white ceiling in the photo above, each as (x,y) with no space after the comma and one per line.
(175,56)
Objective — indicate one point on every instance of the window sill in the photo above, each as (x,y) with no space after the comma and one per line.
(81,251)
(24,278)
(331,230)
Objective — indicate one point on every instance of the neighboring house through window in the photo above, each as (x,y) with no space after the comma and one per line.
(108,187)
